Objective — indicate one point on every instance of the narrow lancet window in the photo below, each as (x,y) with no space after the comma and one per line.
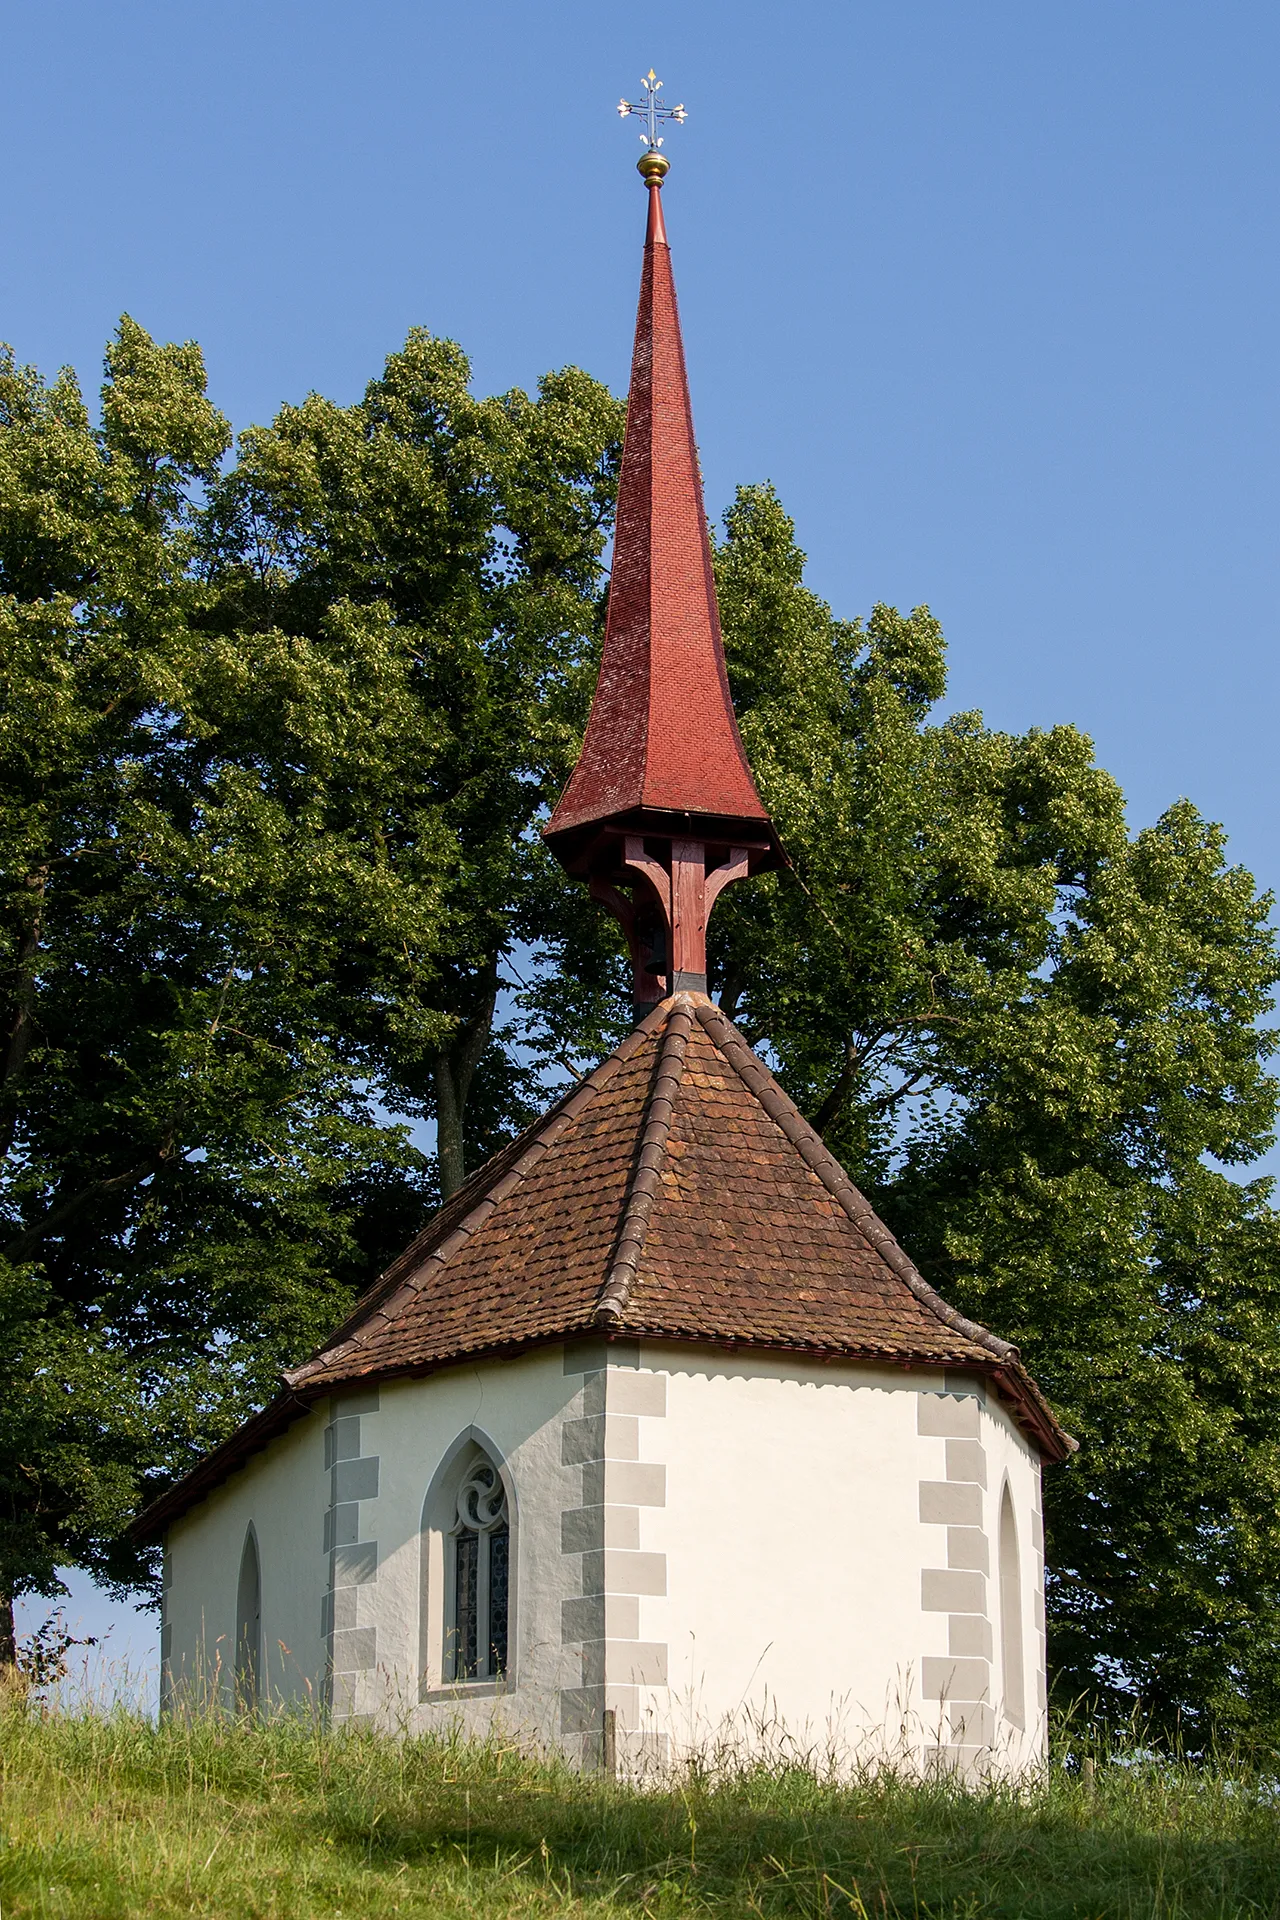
(248,1627)
(1011,1660)
(481,1565)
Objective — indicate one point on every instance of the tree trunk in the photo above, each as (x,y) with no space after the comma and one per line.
(838,1092)
(8,1638)
(450,1154)
(20,1021)
(452,1072)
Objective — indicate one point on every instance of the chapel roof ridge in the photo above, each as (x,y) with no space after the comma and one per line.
(470,1207)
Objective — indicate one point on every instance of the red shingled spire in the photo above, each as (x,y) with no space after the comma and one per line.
(662,799)
(662,732)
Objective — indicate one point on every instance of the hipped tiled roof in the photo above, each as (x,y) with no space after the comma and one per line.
(675,1195)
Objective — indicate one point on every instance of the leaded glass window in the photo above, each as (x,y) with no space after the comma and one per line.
(499,1556)
(481,1577)
(467,1548)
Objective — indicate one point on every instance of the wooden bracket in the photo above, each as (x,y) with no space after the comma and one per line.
(683,896)
(736,867)
(652,870)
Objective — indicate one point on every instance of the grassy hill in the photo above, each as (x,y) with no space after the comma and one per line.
(105,1814)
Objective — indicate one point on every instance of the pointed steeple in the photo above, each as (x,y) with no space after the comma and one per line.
(662,733)
(662,801)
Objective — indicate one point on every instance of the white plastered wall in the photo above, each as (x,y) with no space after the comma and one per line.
(712,1548)
(337,1506)
(516,1411)
(974,1450)
(800,1528)
(281,1493)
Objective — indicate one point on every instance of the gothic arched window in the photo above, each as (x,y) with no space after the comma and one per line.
(248,1626)
(1011,1660)
(479,1549)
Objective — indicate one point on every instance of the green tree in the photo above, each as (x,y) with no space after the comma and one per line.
(92,606)
(460,540)
(271,742)
(1037,1042)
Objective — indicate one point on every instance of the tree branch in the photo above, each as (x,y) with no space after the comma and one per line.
(885,1101)
(858,1052)
(25,1245)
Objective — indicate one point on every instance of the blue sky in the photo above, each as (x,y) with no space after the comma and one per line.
(989,292)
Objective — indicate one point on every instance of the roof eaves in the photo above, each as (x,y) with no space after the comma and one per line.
(248,1439)
(755,1076)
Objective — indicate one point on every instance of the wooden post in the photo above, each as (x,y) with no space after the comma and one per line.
(609,1744)
(688,915)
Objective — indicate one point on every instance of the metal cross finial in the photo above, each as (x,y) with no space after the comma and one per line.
(649,110)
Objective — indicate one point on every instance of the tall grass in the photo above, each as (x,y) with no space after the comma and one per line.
(104,1813)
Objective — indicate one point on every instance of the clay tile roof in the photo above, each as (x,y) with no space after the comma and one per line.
(676,1194)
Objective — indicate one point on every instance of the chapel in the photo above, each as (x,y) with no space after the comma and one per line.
(654,1439)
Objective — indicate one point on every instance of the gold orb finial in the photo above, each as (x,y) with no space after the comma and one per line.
(653,166)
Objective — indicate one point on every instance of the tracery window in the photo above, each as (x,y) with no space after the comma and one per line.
(480,1543)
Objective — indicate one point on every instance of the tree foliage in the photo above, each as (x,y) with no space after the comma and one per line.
(273,738)
(1037,1041)
(277,735)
